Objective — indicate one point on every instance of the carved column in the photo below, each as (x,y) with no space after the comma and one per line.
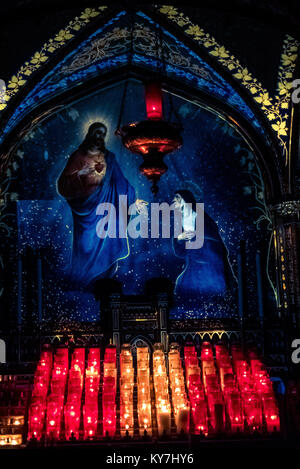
(162,307)
(286,223)
(115,304)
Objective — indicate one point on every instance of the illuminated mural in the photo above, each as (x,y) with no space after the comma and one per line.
(276,108)
(205,168)
(112,45)
(42,157)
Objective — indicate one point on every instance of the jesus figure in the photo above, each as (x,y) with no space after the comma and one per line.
(92,176)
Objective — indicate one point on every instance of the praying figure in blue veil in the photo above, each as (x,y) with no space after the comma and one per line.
(206,270)
(91,177)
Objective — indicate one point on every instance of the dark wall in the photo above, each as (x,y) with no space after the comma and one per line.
(253,30)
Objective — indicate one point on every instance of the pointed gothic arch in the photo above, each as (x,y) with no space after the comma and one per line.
(91,24)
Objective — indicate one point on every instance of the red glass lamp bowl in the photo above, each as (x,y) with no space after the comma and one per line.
(144,137)
(153,138)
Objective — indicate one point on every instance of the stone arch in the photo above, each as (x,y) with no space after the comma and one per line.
(206,337)
(77,34)
(140,340)
(268,155)
(180,339)
(233,337)
(215,338)
(189,338)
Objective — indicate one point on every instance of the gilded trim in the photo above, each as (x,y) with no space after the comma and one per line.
(39,58)
(275,108)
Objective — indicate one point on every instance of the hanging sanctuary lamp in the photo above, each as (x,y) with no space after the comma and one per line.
(152,138)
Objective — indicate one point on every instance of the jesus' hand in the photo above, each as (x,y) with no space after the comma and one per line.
(85,171)
(186,236)
(90,174)
(141,207)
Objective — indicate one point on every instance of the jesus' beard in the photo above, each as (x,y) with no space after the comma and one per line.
(93,145)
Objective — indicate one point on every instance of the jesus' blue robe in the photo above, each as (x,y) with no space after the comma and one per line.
(93,256)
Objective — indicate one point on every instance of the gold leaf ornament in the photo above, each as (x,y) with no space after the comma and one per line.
(264,99)
(243,75)
(16,82)
(280,128)
(284,87)
(38,58)
(252,85)
(288,59)
(195,31)
(284,105)
(89,13)
(168,10)
(220,52)
(63,36)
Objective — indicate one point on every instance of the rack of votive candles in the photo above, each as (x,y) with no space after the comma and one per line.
(215,400)
(195,390)
(264,388)
(55,400)
(143,391)
(180,401)
(37,408)
(231,393)
(161,388)
(92,382)
(109,391)
(72,408)
(126,391)
(250,398)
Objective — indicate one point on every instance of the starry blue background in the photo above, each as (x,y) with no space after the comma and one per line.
(214,162)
